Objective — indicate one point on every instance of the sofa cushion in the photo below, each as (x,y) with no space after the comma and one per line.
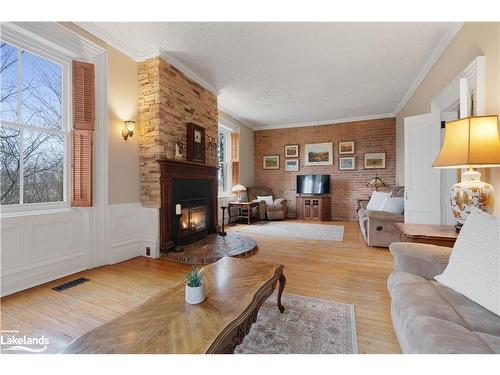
(266,198)
(377,201)
(474,266)
(431,318)
(395,205)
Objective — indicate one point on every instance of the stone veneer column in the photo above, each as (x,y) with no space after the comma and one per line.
(168,100)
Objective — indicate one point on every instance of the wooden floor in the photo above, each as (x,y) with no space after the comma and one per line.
(347,271)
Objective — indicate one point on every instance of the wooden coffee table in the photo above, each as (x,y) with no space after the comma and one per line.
(442,235)
(235,289)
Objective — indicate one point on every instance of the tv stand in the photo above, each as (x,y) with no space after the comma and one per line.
(314,207)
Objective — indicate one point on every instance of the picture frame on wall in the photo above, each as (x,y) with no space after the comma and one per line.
(346,148)
(291,151)
(347,163)
(317,154)
(195,142)
(375,160)
(271,162)
(292,165)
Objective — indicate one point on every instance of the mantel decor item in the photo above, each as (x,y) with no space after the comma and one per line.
(376,182)
(178,213)
(179,148)
(238,189)
(195,141)
(128,129)
(471,142)
(195,287)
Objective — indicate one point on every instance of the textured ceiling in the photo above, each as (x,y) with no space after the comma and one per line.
(272,74)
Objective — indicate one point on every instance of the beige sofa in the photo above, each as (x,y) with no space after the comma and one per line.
(378,227)
(429,317)
(277,211)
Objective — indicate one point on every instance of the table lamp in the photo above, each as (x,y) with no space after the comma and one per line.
(471,142)
(238,189)
(376,182)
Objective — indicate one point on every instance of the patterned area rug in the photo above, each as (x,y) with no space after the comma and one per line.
(308,326)
(295,230)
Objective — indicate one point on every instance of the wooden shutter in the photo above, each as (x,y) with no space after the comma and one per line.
(82,168)
(235,158)
(83,96)
(82,134)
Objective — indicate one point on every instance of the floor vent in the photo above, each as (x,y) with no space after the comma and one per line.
(70,284)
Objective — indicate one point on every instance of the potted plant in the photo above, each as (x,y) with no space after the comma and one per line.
(195,289)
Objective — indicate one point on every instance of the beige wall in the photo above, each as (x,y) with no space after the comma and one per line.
(475,39)
(124,180)
(247,168)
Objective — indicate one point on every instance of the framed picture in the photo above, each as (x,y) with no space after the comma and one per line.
(291,151)
(271,162)
(346,148)
(292,165)
(375,160)
(347,163)
(319,154)
(195,142)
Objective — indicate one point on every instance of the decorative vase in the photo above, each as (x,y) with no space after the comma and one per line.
(195,295)
(471,192)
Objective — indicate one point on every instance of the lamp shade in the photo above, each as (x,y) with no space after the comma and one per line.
(470,142)
(376,182)
(238,188)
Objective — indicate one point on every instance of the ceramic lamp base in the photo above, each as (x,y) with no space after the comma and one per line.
(471,192)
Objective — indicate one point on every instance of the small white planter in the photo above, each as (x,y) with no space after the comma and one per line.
(195,295)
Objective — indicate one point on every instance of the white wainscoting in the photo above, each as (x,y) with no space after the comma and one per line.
(40,247)
(132,229)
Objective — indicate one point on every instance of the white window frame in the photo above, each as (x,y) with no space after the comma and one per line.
(227,160)
(44,51)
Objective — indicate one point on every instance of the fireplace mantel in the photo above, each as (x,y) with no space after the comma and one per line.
(172,170)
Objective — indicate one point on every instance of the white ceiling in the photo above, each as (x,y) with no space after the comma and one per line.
(285,74)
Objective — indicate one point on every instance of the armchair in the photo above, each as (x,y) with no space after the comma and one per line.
(277,211)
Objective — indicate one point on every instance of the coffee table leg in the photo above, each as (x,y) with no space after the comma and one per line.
(282,281)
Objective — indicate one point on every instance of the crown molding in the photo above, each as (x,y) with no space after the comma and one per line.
(236,117)
(139,56)
(326,122)
(441,46)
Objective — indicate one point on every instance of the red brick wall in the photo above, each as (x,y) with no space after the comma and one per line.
(346,186)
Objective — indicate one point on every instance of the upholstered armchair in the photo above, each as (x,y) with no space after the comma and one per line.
(276,211)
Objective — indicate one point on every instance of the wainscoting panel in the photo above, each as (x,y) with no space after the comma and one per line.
(39,247)
(125,232)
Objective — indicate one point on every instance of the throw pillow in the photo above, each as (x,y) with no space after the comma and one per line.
(396,205)
(266,198)
(377,201)
(474,266)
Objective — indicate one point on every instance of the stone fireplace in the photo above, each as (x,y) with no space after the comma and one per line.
(194,187)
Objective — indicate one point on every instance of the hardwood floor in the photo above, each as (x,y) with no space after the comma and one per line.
(347,271)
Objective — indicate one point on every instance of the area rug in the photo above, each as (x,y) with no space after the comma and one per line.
(308,326)
(295,230)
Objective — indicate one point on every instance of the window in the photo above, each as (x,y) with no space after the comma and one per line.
(33,136)
(224,160)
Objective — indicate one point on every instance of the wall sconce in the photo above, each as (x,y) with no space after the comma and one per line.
(128,129)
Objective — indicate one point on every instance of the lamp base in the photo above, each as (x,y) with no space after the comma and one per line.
(471,192)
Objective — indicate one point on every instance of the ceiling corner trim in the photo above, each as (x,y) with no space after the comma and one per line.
(225,111)
(441,46)
(139,56)
(327,122)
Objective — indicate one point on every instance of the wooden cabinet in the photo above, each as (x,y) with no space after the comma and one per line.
(314,207)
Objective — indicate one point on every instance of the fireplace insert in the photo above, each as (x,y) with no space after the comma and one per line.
(194,219)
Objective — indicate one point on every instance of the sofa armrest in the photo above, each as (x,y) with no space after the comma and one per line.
(423,260)
(362,203)
(386,216)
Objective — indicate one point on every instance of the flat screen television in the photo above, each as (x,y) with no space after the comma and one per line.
(313,184)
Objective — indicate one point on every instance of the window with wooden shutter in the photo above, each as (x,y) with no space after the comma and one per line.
(83,96)
(235,158)
(82,134)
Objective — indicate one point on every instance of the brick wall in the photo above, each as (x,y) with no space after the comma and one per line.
(168,100)
(346,186)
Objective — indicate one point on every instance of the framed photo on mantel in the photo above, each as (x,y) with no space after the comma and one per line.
(195,142)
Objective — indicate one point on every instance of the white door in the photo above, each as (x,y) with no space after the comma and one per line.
(422,182)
